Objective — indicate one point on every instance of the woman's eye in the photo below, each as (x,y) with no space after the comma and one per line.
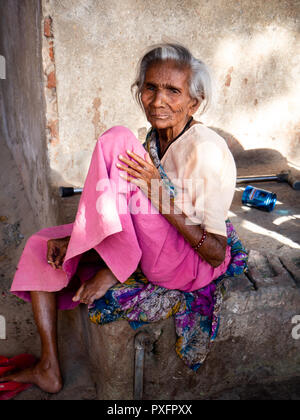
(173,90)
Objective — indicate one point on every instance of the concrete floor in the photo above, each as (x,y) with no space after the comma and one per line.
(271,233)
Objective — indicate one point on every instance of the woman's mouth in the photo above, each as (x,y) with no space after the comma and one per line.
(160,116)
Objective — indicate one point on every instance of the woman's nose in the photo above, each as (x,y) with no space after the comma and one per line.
(158,99)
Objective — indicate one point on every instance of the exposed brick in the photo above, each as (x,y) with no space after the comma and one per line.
(51,51)
(51,80)
(52,125)
(48,27)
(228,80)
(228,77)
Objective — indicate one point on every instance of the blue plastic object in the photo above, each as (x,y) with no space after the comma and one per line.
(261,199)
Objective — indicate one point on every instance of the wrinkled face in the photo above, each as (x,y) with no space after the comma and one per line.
(166,98)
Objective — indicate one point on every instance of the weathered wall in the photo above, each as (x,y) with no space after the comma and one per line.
(22,105)
(250,46)
(70,65)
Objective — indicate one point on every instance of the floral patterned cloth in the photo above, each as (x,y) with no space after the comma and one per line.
(196,314)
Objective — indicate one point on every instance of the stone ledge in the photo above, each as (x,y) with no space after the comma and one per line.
(254,344)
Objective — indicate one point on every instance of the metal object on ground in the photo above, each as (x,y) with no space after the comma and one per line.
(288,177)
(143,342)
(282,177)
(69,191)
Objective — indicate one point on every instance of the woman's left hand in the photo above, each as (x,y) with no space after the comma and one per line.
(139,171)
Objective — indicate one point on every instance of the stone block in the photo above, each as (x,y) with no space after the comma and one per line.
(254,345)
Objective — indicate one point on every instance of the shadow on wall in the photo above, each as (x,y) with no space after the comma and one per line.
(254,161)
(259,82)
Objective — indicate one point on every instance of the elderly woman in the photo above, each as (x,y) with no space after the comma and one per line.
(184,183)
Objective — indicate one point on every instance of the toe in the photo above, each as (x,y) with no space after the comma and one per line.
(79,294)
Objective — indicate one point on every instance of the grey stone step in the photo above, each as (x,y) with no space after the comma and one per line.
(254,345)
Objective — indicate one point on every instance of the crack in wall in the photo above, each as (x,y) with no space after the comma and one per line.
(291,274)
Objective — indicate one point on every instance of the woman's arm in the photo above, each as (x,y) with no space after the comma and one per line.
(214,246)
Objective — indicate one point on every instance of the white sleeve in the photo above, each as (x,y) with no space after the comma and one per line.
(209,182)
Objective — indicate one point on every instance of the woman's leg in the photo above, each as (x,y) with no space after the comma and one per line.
(46,373)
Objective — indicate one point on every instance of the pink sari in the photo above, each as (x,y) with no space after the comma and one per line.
(123,239)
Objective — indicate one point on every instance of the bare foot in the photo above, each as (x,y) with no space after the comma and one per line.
(43,375)
(96,287)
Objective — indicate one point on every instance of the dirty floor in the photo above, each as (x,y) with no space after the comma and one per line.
(271,233)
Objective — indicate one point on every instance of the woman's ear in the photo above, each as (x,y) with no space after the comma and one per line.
(195,104)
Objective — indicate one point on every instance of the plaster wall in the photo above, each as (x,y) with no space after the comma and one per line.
(250,46)
(70,65)
(22,103)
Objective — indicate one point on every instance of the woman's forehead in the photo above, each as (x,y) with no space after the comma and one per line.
(167,71)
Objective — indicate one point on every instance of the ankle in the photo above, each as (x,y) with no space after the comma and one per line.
(49,362)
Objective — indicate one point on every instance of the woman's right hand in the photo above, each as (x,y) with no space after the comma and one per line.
(57,249)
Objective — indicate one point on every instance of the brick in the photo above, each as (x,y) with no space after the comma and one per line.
(48,27)
(53,127)
(51,51)
(51,78)
(228,80)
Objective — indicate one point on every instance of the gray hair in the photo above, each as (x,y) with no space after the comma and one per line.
(200,85)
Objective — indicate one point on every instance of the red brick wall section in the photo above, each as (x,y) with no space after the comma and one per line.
(50,82)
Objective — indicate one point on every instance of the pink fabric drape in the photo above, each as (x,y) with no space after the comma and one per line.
(123,239)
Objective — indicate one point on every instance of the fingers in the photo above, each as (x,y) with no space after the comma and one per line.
(139,159)
(136,171)
(56,253)
(51,260)
(138,182)
(130,171)
(132,166)
(52,264)
(52,253)
(138,163)
(59,261)
(54,261)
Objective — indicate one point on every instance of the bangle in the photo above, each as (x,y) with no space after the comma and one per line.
(200,243)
